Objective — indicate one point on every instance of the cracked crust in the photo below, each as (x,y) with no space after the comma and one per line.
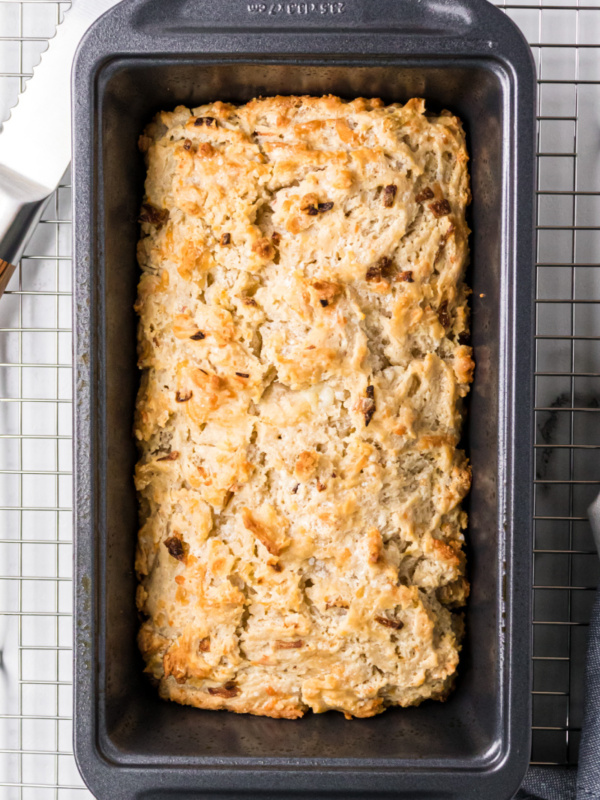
(303,337)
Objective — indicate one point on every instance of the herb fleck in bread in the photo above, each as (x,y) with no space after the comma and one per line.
(303,337)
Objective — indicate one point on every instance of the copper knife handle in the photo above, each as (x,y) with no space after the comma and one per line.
(21,206)
(6,273)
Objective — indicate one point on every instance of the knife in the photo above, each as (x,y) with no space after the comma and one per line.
(35,143)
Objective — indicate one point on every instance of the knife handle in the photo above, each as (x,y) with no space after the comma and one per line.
(6,272)
(21,206)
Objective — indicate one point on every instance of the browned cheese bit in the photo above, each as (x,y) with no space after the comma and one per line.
(440,208)
(175,546)
(187,145)
(264,248)
(198,336)
(369,405)
(322,207)
(183,397)
(285,645)
(229,689)
(426,194)
(306,465)
(374,545)
(204,645)
(389,195)
(153,215)
(310,205)
(327,291)
(208,121)
(390,623)
(172,456)
(262,532)
(443,315)
(225,239)
(380,270)
(338,603)
(405,277)
(242,374)
(443,240)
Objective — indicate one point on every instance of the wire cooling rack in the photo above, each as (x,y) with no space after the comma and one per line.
(36,761)
(565,42)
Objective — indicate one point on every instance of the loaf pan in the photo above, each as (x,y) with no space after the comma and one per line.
(147,55)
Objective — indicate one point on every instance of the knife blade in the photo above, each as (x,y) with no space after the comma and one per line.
(35,142)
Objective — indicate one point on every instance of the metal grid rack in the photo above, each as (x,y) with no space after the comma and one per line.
(36,759)
(565,42)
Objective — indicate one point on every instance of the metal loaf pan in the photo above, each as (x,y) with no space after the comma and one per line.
(146,55)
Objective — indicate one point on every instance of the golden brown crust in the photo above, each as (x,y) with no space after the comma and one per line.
(303,337)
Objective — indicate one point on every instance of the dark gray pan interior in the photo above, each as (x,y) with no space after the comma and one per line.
(135,718)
